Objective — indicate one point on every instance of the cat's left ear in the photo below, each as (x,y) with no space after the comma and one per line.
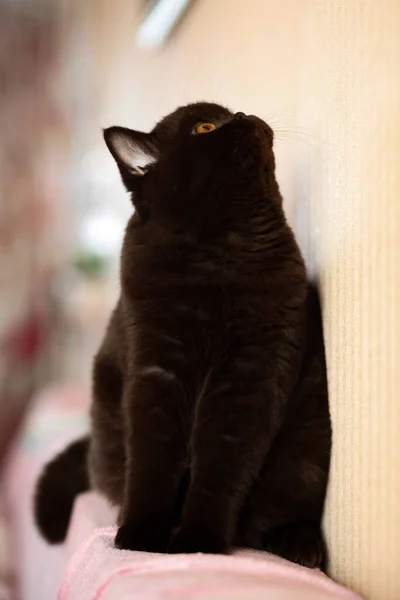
(133,151)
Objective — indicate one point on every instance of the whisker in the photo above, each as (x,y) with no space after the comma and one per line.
(288,125)
(299,136)
(293,139)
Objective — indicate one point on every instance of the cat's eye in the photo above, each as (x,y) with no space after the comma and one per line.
(204,128)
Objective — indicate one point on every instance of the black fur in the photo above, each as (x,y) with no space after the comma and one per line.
(210,419)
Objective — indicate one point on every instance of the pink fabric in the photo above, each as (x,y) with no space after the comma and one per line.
(97,571)
(58,415)
(88,567)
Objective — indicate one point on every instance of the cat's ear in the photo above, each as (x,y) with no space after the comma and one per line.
(133,151)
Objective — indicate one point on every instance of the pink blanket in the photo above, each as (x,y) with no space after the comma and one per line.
(98,571)
(88,567)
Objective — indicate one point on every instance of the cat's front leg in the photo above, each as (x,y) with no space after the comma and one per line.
(156,449)
(236,422)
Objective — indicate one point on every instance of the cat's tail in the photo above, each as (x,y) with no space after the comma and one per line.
(62,479)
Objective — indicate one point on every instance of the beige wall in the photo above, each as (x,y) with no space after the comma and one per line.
(328,72)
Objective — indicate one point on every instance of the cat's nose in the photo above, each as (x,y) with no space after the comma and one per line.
(240,115)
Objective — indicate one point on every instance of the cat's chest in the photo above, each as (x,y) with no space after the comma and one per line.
(168,266)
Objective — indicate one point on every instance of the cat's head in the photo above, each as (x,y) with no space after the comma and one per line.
(196,165)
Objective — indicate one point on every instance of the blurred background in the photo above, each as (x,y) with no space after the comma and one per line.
(325,74)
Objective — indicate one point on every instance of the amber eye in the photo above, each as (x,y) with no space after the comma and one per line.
(204,128)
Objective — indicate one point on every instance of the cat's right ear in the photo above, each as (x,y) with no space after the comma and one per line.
(133,151)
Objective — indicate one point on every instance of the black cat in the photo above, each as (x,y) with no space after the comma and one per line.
(210,419)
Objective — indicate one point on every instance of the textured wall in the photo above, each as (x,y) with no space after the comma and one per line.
(355,207)
(329,72)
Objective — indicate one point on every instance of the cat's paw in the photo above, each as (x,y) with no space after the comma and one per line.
(191,542)
(131,537)
(301,543)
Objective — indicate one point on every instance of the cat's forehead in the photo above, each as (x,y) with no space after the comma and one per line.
(186,116)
